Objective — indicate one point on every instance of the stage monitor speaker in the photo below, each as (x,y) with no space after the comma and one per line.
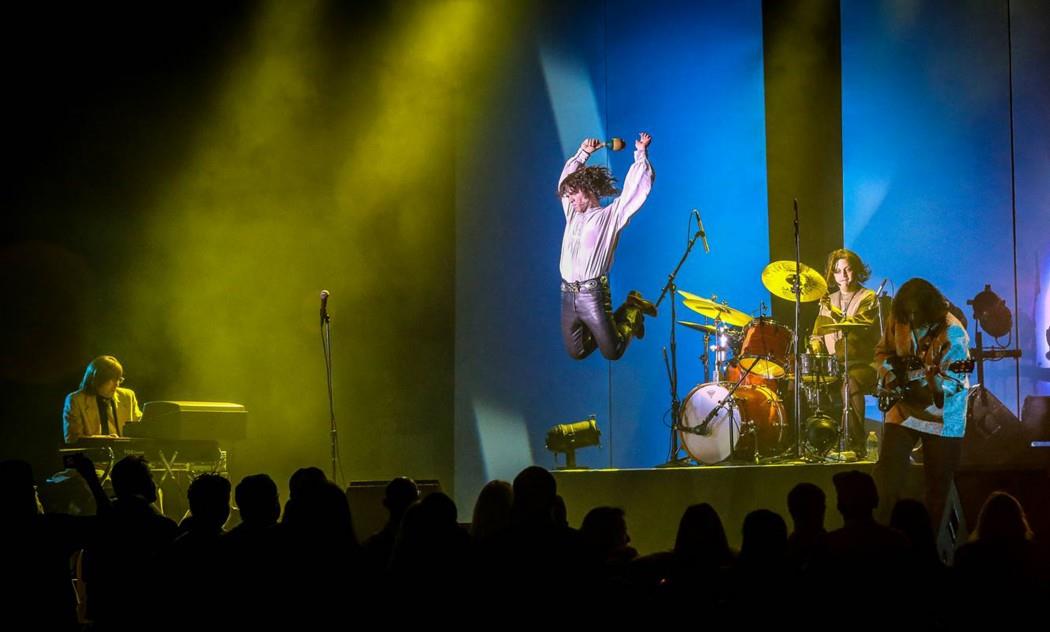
(1035,417)
(366,504)
(994,436)
(954,528)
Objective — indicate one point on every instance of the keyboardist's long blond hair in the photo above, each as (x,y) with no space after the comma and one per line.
(99,371)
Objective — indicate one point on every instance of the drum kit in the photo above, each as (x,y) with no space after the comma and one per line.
(740,415)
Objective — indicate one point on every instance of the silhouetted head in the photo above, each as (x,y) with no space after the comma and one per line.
(305,477)
(17,492)
(807,505)
(701,537)
(320,511)
(258,500)
(856,493)
(131,478)
(209,498)
(399,495)
(765,538)
(604,531)
(534,492)
(1002,518)
(911,518)
(440,510)
(492,509)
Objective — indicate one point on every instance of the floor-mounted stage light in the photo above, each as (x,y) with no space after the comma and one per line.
(567,438)
(991,312)
(993,316)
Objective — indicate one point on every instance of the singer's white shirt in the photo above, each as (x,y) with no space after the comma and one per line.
(590,237)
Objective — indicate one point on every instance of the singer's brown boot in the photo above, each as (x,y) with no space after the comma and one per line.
(634,299)
(631,321)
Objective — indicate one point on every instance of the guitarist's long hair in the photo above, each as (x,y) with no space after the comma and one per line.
(919,303)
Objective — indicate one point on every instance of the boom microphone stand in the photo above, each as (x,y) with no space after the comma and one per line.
(326,346)
(672,365)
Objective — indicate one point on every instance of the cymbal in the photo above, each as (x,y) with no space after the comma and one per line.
(778,277)
(724,313)
(691,296)
(710,329)
(845,325)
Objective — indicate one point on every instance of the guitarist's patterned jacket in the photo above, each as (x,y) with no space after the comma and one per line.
(936,348)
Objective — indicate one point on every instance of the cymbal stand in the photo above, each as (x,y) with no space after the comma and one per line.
(796,289)
(705,358)
(721,349)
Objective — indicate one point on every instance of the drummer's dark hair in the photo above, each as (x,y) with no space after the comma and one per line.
(598,181)
(861,270)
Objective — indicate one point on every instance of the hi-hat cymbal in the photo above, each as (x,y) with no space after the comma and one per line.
(709,329)
(779,277)
(724,313)
(844,325)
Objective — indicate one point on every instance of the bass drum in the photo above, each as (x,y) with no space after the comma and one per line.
(756,411)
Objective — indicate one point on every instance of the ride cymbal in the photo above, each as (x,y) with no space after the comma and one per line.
(779,276)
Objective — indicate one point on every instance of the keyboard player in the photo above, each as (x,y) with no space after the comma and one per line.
(101,407)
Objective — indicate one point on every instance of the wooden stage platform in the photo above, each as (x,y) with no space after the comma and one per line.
(654,499)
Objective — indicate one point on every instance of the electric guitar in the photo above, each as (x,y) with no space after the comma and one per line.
(908,386)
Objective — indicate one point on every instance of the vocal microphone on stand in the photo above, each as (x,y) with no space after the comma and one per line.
(324,306)
(878,292)
(703,234)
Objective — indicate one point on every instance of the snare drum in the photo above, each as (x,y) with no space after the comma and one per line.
(766,347)
(819,368)
(754,410)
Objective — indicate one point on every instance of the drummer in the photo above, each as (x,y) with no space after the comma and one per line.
(850,301)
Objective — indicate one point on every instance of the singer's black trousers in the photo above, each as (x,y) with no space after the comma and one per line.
(940,459)
(588,322)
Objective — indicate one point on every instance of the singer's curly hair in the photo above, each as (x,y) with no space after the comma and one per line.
(598,181)
(861,271)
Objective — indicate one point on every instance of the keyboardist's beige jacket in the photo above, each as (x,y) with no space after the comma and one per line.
(80,415)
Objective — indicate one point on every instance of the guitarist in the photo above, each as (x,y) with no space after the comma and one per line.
(920,363)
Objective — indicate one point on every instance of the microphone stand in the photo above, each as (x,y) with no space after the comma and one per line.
(847,394)
(796,289)
(326,346)
(672,366)
(882,334)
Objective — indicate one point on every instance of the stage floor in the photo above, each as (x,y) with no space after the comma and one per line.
(655,498)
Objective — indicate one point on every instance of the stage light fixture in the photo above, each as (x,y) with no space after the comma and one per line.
(991,312)
(567,438)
